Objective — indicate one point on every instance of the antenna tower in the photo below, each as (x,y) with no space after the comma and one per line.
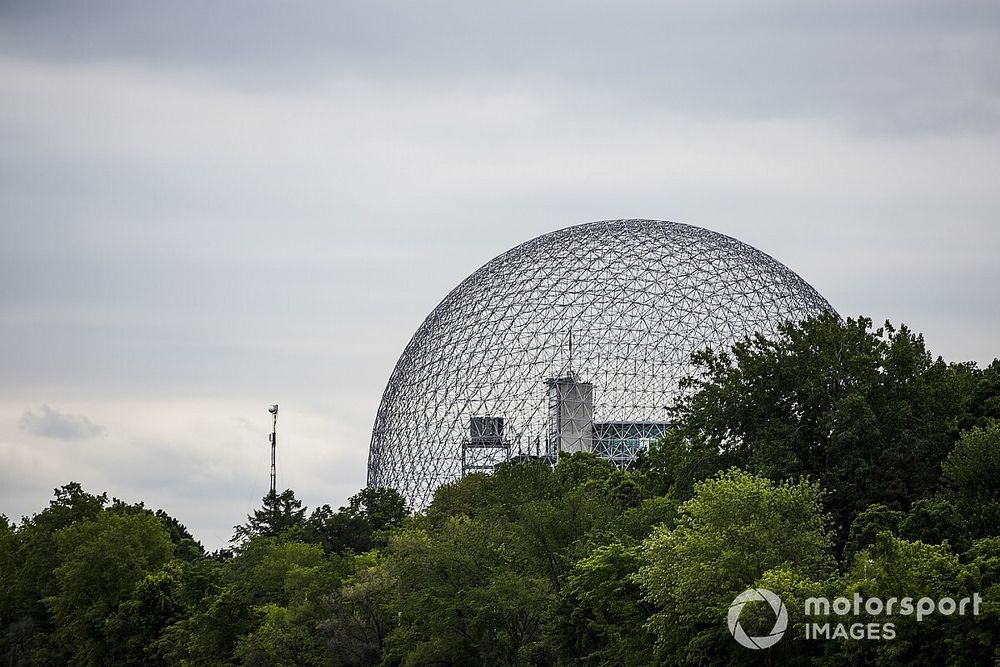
(274,443)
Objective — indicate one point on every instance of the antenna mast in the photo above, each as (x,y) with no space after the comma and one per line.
(274,442)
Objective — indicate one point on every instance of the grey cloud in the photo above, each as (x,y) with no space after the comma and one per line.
(50,423)
(882,67)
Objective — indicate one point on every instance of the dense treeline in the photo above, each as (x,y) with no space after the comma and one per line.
(834,459)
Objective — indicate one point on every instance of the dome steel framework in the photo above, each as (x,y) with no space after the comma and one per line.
(575,340)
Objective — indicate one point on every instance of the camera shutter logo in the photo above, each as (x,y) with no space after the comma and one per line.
(780,622)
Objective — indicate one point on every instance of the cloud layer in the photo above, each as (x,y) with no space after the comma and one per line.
(50,423)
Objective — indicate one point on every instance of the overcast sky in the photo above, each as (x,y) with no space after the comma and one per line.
(210,207)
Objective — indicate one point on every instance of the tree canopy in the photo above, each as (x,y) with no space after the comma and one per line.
(834,459)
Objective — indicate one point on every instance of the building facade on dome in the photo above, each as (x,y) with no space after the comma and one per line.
(574,341)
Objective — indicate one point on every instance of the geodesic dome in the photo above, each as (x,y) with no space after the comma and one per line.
(577,339)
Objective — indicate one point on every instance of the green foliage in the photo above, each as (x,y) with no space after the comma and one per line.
(33,554)
(892,565)
(281,515)
(866,412)
(362,612)
(476,578)
(735,528)
(361,525)
(636,523)
(674,463)
(464,597)
(793,587)
(37,553)
(971,474)
(874,519)
(983,407)
(8,564)
(185,546)
(600,617)
(101,562)
(135,626)
(829,461)
(263,605)
(935,521)
(499,495)
(285,582)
